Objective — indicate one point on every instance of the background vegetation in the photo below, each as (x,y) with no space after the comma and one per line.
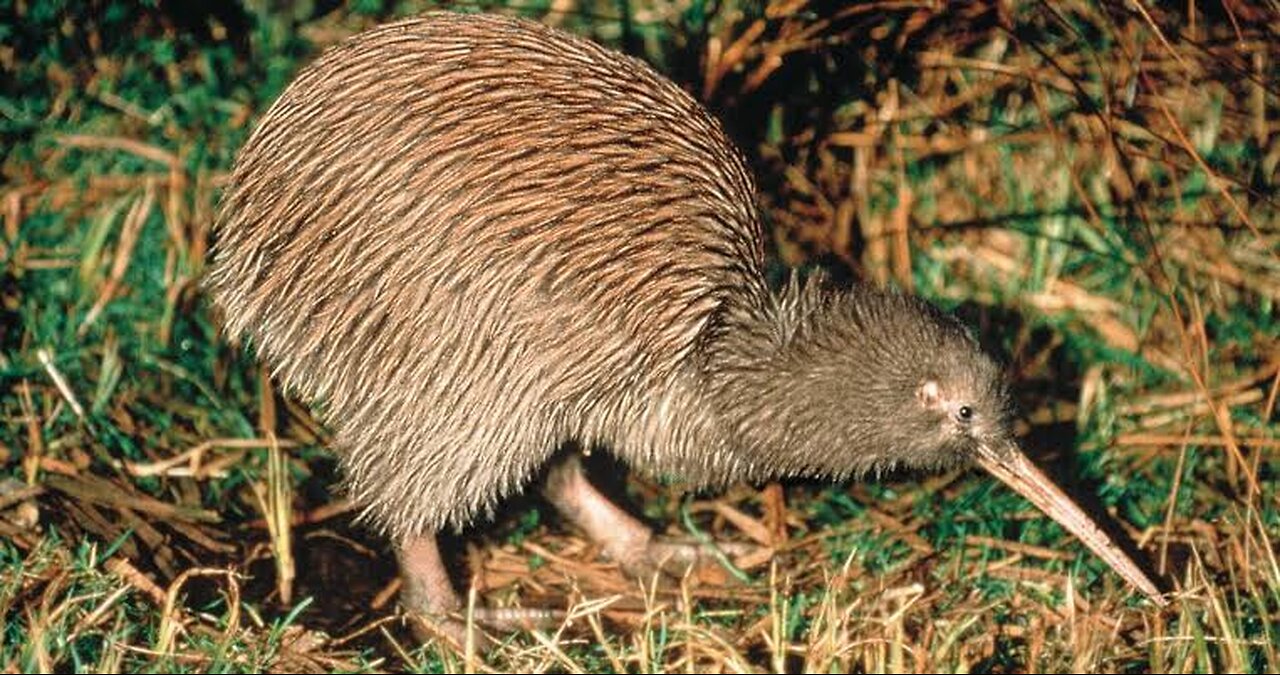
(1093,185)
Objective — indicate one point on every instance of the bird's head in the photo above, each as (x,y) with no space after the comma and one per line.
(948,398)
(867,380)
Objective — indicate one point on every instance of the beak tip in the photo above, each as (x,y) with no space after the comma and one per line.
(1006,462)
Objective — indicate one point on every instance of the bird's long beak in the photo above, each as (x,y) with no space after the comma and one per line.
(1010,465)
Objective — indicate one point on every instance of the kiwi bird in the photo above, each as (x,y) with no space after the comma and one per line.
(474,239)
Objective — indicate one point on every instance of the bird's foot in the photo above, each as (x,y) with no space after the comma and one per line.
(435,610)
(676,558)
(457,627)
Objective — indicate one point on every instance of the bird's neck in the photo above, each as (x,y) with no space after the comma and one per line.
(760,386)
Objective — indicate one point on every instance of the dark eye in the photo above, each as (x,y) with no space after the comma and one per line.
(965,413)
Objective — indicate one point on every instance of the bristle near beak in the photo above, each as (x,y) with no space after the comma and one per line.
(1011,466)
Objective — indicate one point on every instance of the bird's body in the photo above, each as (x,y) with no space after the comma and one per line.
(487,240)
(474,239)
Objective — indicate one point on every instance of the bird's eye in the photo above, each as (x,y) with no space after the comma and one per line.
(965,413)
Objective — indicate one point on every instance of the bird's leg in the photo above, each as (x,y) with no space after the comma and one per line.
(426,588)
(624,538)
(435,607)
(426,591)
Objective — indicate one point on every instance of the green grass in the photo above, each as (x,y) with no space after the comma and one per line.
(1110,230)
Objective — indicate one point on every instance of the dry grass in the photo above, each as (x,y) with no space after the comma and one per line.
(1092,184)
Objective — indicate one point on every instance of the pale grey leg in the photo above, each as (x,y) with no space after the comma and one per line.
(624,538)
